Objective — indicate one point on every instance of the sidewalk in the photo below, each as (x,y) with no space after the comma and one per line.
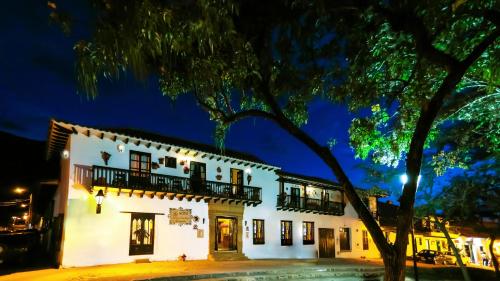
(142,271)
(127,272)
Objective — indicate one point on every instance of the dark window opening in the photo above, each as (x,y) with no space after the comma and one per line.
(258,232)
(142,226)
(365,240)
(308,233)
(286,233)
(345,239)
(170,162)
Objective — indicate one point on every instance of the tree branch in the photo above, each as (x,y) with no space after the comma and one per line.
(480,48)
(427,117)
(325,154)
(409,22)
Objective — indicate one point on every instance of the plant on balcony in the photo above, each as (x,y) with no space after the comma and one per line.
(218,177)
(155,165)
(186,170)
(105,156)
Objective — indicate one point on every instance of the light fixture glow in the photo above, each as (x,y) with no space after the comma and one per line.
(403,178)
(99,198)
(19,190)
(248,170)
(121,147)
(65,154)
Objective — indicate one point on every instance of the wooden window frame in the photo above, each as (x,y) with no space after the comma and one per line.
(142,249)
(140,153)
(170,162)
(305,226)
(258,240)
(366,241)
(286,241)
(348,237)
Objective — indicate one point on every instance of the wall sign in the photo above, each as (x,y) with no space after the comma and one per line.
(180,216)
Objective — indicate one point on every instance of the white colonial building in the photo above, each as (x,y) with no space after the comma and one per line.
(126,195)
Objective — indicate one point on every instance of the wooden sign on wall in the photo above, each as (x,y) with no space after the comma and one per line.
(180,216)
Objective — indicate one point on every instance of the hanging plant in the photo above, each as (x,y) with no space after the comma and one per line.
(218,177)
(155,165)
(186,170)
(105,156)
(249,178)
(219,170)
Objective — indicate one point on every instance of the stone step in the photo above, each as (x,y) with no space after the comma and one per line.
(304,274)
(227,256)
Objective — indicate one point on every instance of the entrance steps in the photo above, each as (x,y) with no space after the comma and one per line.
(227,256)
(304,274)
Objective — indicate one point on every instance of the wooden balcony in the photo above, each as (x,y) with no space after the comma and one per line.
(150,184)
(303,204)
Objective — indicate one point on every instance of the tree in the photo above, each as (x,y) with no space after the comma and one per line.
(471,199)
(269,59)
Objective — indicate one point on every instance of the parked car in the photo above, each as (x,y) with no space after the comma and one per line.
(449,258)
(427,256)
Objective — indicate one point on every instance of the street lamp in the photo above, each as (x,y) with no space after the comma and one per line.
(19,190)
(99,198)
(404,180)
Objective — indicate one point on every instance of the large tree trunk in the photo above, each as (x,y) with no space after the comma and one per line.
(394,267)
(463,268)
(493,257)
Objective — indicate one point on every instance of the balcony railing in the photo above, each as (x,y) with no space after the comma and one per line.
(170,186)
(304,204)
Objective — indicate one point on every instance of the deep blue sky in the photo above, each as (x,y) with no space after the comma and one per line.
(37,83)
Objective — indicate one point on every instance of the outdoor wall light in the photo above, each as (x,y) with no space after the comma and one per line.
(65,154)
(99,198)
(121,147)
(404,179)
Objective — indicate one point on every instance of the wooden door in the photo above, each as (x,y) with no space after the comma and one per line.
(197,176)
(326,243)
(295,197)
(237,181)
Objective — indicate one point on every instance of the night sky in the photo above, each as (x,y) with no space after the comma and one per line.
(37,82)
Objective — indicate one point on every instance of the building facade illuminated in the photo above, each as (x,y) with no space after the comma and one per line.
(169,199)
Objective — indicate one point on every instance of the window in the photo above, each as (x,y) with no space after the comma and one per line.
(141,234)
(345,239)
(286,233)
(170,162)
(140,169)
(308,233)
(365,240)
(258,232)
(140,162)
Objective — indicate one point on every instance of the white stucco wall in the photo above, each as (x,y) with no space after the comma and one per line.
(272,248)
(92,239)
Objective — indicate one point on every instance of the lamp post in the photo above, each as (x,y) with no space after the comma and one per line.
(99,198)
(404,180)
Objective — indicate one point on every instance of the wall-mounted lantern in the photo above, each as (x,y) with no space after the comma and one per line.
(121,147)
(65,154)
(249,175)
(99,198)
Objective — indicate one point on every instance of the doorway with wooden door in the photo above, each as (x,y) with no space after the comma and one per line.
(197,176)
(326,243)
(237,181)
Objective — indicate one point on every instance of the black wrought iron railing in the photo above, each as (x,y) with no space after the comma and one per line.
(136,180)
(309,204)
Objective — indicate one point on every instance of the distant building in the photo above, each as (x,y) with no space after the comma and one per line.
(165,199)
(428,236)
